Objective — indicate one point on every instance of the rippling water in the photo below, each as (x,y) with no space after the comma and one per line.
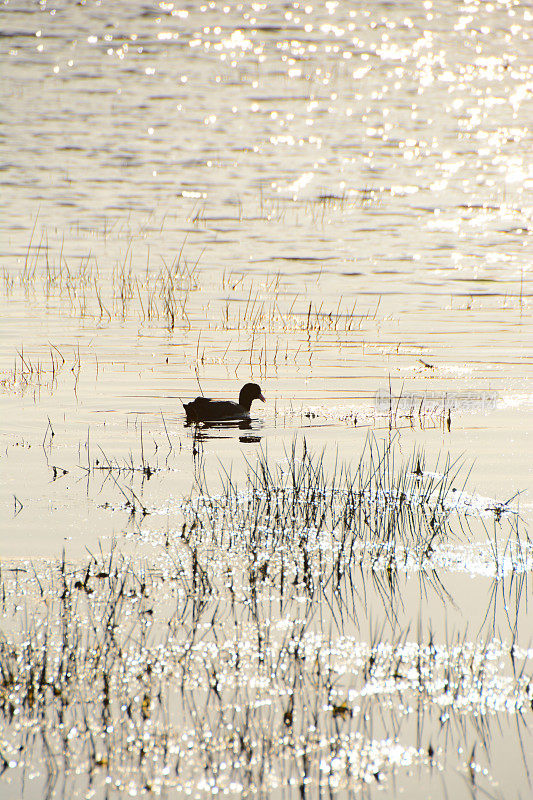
(415,118)
(376,159)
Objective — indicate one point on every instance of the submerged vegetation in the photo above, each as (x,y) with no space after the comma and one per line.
(248,654)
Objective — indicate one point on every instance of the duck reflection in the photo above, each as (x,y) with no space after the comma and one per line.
(203,431)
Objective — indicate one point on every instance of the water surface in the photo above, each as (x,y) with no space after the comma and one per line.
(331,200)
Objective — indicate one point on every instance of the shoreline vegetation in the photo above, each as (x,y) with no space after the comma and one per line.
(267,636)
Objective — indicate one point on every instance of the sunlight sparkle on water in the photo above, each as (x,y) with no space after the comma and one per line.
(332,200)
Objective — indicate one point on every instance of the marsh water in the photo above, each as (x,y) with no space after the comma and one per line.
(331,200)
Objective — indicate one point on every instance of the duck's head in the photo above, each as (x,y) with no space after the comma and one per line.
(249,393)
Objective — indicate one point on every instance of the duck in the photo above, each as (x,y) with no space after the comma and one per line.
(203,409)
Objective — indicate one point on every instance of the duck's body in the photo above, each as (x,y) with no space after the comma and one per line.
(203,409)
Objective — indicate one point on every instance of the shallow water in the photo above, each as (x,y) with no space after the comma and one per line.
(333,201)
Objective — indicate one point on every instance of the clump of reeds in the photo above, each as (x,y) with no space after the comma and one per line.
(377,507)
(150,295)
(161,294)
(160,675)
(293,523)
(235,656)
(35,372)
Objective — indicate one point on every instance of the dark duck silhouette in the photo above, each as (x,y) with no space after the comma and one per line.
(203,409)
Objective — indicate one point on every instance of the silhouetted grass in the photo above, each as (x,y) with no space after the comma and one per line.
(247,651)
(152,676)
